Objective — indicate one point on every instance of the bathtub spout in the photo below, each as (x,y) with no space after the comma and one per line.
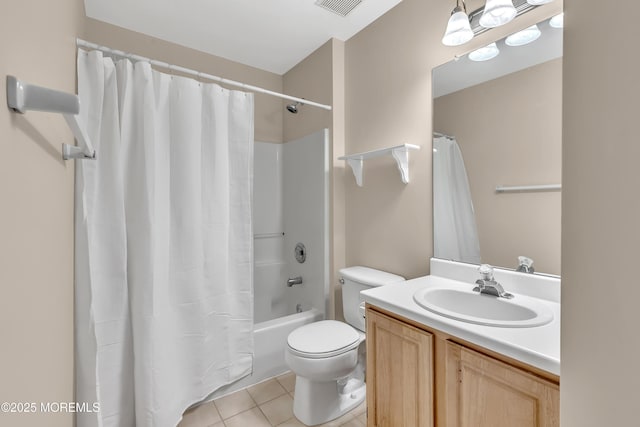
(294,281)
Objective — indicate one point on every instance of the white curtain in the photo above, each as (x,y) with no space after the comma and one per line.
(454,224)
(164,242)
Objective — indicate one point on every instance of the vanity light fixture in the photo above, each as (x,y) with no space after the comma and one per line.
(463,26)
(485,53)
(538,2)
(523,37)
(497,12)
(458,28)
(557,21)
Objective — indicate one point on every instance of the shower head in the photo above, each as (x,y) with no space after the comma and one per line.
(293,107)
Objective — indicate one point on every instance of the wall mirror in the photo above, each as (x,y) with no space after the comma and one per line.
(497,154)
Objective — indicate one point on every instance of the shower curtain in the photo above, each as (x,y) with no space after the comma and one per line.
(164,243)
(455,234)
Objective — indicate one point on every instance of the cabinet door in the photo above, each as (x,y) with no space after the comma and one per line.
(484,392)
(399,373)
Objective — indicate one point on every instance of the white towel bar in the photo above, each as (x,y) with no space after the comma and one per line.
(528,188)
(23,97)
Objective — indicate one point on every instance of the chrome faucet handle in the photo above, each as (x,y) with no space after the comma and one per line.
(486,272)
(525,264)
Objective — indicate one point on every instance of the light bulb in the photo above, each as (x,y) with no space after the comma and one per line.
(458,29)
(497,12)
(557,21)
(523,37)
(538,2)
(485,53)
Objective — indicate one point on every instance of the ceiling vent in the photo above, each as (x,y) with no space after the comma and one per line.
(339,7)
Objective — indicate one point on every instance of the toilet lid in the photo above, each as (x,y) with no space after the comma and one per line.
(323,339)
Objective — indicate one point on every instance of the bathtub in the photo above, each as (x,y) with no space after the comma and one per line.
(270,340)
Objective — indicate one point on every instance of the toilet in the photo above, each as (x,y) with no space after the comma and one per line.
(328,357)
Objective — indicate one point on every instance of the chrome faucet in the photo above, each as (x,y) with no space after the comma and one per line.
(525,264)
(294,281)
(487,284)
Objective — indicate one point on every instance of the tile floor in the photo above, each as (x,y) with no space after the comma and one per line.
(267,404)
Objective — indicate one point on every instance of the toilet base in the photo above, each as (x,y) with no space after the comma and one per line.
(319,402)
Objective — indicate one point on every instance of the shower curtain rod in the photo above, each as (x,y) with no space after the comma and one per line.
(197,74)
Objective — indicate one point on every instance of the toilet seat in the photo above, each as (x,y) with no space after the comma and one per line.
(323,339)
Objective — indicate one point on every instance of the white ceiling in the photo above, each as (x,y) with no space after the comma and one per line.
(272,35)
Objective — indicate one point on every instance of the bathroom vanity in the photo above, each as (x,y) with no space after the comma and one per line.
(426,369)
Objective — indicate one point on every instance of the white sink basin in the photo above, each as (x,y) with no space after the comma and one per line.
(472,307)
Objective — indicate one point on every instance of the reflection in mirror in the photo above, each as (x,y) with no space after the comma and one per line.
(498,126)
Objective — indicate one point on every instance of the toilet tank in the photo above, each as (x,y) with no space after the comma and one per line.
(356,279)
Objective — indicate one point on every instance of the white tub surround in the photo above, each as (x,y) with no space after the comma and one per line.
(536,346)
(291,203)
(306,219)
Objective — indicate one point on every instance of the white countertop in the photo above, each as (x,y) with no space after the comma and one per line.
(537,346)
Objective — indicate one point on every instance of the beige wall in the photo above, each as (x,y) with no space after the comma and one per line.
(320,77)
(37,44)
(388,100)
(268,109)
(601,212)
(525,150)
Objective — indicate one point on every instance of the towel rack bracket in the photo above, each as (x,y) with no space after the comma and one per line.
(22,97)
(74,152)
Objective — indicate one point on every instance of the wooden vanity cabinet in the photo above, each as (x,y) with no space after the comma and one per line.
(399,373)
(482,391)
(417,377)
